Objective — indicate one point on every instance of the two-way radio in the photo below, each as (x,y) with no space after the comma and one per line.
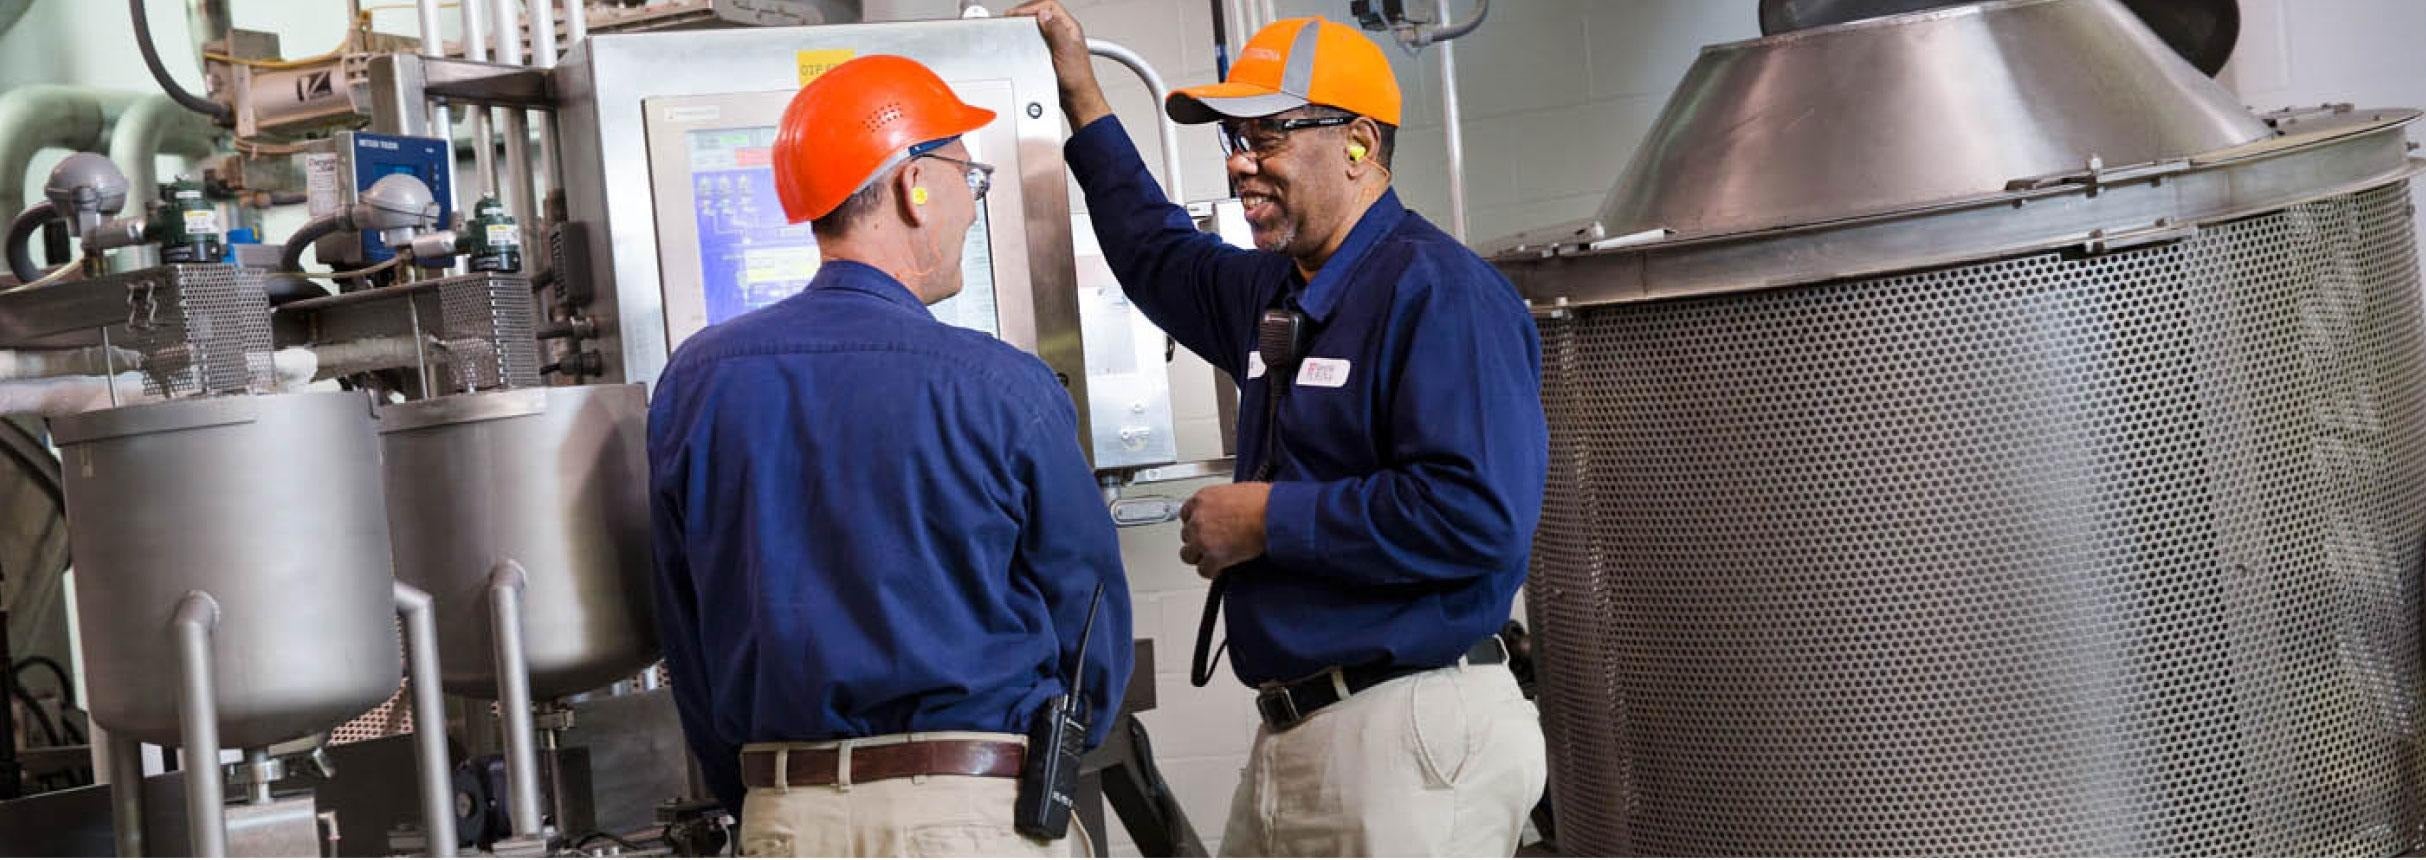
(1280,340)
(1057,739)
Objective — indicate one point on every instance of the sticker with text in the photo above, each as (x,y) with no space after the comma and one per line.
(1323,373)
(811,64)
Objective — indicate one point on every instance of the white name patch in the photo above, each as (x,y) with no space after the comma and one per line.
(1323,373)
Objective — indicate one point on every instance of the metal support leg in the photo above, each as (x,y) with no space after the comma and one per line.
(256,777)
(429,719)
(126,793)
(514,697)
(198,719)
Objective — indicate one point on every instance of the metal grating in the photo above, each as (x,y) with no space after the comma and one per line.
(486,331)
(201,329)
(2049,555)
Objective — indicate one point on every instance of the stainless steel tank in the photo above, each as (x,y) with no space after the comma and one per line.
(1973,433)
(555,479)
(271,505)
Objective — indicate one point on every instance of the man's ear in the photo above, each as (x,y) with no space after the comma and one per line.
(1364,139)
(910,194)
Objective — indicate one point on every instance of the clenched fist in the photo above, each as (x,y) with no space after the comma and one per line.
(1222,526)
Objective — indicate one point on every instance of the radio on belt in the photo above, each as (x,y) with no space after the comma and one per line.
(1057,739)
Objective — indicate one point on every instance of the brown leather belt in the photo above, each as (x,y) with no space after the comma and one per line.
(887,761)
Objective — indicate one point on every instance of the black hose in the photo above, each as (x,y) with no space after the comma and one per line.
(595,835)
(67,688)
(151,59)
(50,732)
(21,230)
(290,259)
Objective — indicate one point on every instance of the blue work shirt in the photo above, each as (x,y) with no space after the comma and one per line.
(1412,444)
(870,522)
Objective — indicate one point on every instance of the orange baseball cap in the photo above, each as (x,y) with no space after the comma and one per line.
(1294,62)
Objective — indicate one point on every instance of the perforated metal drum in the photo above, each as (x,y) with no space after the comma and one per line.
(2045,555)
(2001,513)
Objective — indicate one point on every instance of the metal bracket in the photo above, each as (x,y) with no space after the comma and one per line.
(468,82)
(142,306)
(2106,241)
(2285,119)
(2098,176)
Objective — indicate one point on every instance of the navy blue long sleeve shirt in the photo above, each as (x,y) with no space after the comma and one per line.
(870,522)
(1413,448)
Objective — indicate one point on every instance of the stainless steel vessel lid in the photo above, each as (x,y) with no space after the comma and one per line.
(1895,113)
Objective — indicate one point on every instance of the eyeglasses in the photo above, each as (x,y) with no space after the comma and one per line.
(1259,138)
(980,174)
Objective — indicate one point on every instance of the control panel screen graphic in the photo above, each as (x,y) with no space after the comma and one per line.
(749,258)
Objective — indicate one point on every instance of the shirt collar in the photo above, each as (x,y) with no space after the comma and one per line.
(1322,294)
(860,277)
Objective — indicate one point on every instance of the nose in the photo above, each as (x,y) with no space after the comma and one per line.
(1242,165)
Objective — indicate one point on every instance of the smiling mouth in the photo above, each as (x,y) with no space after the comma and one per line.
(1259,206)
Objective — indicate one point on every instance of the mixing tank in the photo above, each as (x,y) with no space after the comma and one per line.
(552,479)
(270,504)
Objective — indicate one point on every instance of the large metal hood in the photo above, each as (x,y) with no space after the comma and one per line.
(1896,113)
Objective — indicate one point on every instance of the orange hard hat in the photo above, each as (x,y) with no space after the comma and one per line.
(1294,62)
(857,120)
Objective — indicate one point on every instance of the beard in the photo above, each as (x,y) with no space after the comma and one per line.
(1277,237)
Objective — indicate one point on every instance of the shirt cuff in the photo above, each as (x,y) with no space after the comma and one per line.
(1289,528)
(1100,145)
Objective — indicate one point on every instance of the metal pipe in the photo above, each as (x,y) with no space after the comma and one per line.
(576,22)
(543,33)
(34,117)
(415,607)
(543,50)
(1442,31)
(198,722)
(1452,124)
(1136,62)
(514,185)
(506,582)
(210,22)
(126,793)
(484,138)
(256,785)
(442,119)
(153,125)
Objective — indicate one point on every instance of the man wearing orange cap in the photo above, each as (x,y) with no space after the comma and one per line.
(1392,457)
(876,537)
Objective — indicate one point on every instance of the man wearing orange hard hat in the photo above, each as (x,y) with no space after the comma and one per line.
(1391,460)
(876,538)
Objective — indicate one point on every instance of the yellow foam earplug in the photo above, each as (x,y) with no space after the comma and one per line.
(918,194)
(1356,152)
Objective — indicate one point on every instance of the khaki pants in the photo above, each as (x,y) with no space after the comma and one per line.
(1441,763)
(928,816)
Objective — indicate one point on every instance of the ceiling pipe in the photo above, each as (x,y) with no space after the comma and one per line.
(157,125)
(34,117)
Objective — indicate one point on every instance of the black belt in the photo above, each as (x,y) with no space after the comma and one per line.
(1286,705)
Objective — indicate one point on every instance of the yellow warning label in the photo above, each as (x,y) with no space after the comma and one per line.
(814,63)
